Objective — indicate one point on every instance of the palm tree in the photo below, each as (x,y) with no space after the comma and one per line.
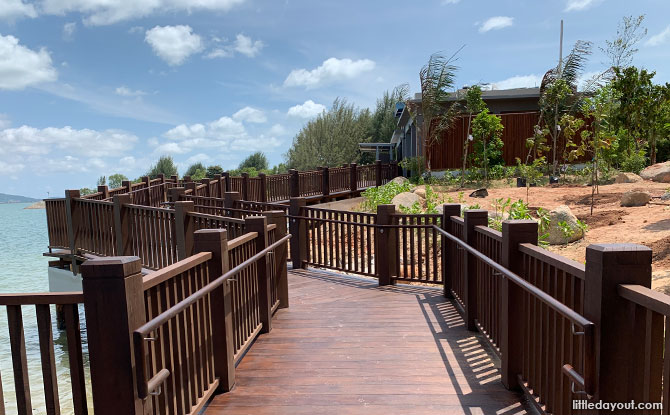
(437,81)
(568,71)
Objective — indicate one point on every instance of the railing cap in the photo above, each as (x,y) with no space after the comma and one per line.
(211,235)
(111,267)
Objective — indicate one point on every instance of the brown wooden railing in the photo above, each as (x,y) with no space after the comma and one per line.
(418,248)
(340,240)
(93,226)
(57,223)
(67,303)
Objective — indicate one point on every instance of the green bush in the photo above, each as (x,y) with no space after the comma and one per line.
(383,195)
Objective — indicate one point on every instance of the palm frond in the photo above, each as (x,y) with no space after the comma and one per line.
(573,64)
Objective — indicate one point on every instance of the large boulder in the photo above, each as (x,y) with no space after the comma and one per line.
(480,193)
(399,180)
(659,172)
(635,198)
(557,236)
(420,191)
(627,178)
(406,199)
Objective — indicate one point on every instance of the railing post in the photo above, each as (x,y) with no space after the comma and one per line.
(449,247)
(114,304)
(104,190)
(512,330)
(278,218)
(175,194)
(229,199)
(298,229)
(187,179)
(378,173)
(220,185)
(325,181)
(394,170)
(122,224)
(226,181)
(473,218)
(385,249)
(245,186)
(190,185)
(147,182)
(353,177)
(206,181)
(263,187)
(184,229)
(259,224)
(216,242)
(616,357)
(175,179)
(128,185)
(72,218)
(294,183)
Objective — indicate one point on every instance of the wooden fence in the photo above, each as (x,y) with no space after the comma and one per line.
(162,342)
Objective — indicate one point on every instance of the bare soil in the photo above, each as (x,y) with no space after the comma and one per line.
(610,223)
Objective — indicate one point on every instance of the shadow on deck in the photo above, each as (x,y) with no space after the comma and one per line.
(347,346)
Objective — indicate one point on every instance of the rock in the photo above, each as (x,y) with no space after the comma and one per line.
(479,193)
(406,199)
(635,198)
(666,196)
(400,180)
(37,205)
(420,191)
(627,178)
(659,172)
(556,234)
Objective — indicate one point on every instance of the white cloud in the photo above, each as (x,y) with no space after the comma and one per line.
(307,110)
(219,53)
(248,114)
(69,29)
(127,92)
(519,81)
(331,70)
(246,46)
(27,140)
(496,23)
(10,9)
(578,5)
(173,44)
(277,129)
(21,67)
(104,12)
(659,38)
(225,134)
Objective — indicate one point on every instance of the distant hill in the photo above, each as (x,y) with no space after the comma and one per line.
(5,198)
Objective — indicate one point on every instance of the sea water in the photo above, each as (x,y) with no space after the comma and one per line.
(23,240)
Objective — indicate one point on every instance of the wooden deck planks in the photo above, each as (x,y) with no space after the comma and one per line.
(347,346)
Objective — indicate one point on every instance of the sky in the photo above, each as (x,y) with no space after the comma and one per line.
(98,87)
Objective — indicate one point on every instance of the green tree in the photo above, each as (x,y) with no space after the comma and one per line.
(622,48)
(257,160)
(330,139)
(102,180)
(487,132)
(164,165)
(115,180)
(384,121)
(474,104)
(213,171)
(192,170)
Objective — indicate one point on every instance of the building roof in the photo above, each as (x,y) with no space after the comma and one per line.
(492,94)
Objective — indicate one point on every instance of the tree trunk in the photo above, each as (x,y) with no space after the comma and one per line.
(466,144)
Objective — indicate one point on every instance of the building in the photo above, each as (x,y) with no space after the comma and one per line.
(518,109)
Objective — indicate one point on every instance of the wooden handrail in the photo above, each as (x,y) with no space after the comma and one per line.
(555,260)
(492,233)
(646,297)
(42,298)
(154,278)
(240,240)
(142,332)
(587,326)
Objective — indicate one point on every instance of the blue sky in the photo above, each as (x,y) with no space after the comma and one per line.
(96,87)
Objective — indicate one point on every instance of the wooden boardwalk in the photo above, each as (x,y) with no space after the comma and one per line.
(348,346)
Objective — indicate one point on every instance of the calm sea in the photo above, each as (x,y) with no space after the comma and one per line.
(23,239)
